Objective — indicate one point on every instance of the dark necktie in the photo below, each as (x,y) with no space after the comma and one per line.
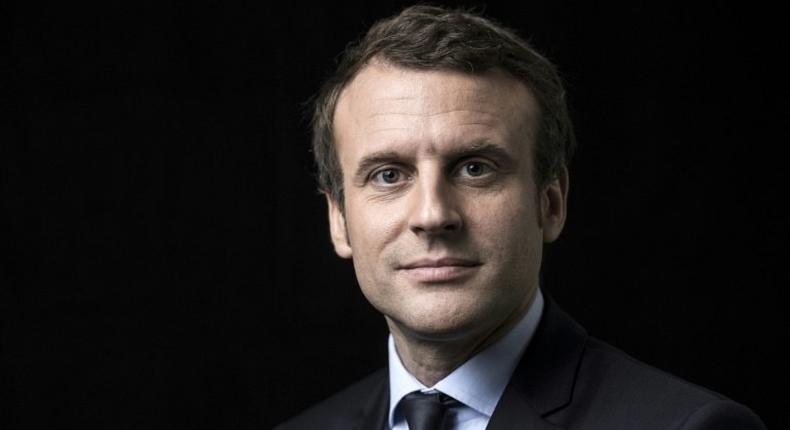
(426,411)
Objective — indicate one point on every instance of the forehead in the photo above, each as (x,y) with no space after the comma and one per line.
(386,103)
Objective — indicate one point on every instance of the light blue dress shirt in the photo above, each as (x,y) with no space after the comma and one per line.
(477,384)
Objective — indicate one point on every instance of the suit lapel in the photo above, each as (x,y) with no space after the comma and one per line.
(374,409)
(543,380)
(514,411)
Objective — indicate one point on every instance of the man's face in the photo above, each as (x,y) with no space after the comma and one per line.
(442,215)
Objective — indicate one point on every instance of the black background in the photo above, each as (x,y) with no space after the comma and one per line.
(167,262)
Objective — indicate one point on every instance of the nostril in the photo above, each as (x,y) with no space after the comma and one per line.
(451,226)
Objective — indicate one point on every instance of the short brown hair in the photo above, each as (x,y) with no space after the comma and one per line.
(430,37)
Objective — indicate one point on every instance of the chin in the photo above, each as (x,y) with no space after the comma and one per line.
(442,320)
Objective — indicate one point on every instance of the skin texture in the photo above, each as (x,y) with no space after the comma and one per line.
(442,218)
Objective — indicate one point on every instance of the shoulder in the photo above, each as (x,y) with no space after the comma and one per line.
(577,381)
(625,393)
(347,408)
(607,366)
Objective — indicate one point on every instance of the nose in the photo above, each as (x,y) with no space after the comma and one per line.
(435,209)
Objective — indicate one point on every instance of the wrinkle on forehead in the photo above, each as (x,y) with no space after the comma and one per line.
(428,114)
(384,99)
(432,101)
(391,121)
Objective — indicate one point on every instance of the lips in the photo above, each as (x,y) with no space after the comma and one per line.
(448,269)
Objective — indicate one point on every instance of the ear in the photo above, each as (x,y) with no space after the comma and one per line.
(554,206)
(337,228)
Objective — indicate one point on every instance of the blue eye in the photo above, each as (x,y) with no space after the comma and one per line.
(388,176)
(476,168)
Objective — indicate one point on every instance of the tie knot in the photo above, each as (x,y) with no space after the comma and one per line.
(426,411)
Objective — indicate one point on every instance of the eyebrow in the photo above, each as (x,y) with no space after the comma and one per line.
(371,160)
(481,147)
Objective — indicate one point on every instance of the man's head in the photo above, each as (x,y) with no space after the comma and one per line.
(442,144)
(434,38)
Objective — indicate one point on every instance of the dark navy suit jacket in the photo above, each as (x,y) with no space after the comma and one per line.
(565,379)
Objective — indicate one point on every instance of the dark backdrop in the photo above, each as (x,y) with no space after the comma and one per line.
(167,262)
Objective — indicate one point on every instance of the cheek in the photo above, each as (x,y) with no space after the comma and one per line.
(370,233)
(371,229)
(509,229)
(372,236)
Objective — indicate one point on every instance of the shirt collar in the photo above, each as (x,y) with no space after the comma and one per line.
(481,380)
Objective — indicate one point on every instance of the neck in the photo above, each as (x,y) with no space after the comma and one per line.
(430,360)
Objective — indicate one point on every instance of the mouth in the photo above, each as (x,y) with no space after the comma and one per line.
(442,270)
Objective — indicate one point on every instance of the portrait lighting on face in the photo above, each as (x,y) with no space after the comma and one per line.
(442,216)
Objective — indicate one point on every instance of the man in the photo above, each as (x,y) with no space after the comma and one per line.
(442,143)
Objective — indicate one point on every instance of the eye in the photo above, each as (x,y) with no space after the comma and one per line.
(387,176)
(475,169)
